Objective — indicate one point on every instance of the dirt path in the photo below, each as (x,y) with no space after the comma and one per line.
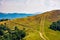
(42,34)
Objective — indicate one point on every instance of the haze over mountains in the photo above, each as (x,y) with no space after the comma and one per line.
(13,15)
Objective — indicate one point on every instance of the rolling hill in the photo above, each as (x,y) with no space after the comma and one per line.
(37,27)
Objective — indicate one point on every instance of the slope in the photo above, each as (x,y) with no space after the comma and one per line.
(37,27)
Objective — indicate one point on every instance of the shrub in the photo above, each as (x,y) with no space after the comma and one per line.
(55,26)
(15,34)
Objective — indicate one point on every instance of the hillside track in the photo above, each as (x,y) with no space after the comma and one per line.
(42,32)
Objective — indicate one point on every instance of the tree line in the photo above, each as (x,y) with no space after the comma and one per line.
(4,20)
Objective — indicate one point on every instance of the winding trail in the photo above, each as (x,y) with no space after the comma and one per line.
(42,34)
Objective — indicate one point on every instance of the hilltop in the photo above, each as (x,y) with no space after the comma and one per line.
(37,27)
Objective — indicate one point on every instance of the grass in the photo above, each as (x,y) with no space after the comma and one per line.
(30,30)
(33,36)
(51,34)
(33,27)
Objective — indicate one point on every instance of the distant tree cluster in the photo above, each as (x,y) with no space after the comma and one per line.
(3,20)
(8,34)
(55,26)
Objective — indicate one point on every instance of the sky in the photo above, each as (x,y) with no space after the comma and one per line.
(28,6)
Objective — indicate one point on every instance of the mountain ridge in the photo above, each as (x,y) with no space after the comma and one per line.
(13,15)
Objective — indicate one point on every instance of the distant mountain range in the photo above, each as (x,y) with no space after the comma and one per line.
(13,15)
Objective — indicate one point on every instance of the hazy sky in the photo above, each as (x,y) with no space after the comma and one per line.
(28,6)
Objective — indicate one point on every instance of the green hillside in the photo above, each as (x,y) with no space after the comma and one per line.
(37,27)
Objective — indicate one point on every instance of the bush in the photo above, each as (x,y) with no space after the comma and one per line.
(55,26)
(15,34)
(3,20)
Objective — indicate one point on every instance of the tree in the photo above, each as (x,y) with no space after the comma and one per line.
(2,29)
(55,25)
(4,20)
(20,33)
(15,34)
